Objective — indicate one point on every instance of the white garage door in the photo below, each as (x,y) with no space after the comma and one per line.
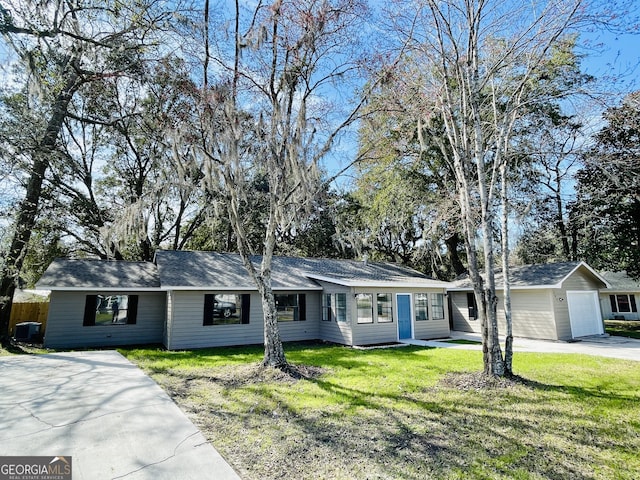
(584,313)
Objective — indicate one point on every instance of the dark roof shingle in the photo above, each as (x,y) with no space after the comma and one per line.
(527,276)
(224,270)
(211,270)
(99,274)
(621,282)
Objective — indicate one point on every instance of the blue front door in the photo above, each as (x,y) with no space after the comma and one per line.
(404,315)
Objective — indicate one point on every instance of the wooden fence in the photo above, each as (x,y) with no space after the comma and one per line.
(29,312)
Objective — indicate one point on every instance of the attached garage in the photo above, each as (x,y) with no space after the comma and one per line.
(556,301)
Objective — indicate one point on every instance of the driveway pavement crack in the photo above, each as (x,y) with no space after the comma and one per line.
(50,426)
(164,459)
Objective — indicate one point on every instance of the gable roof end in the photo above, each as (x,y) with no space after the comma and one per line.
(546,275)
(593,272)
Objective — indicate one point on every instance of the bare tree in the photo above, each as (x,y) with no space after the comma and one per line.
(480,57)
(554,150)
(275,109)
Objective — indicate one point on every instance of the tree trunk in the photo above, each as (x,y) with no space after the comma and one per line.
(562,227)
(508,344)
(469,230)
(273,350)
(452,242)
(28,209)
(494,362)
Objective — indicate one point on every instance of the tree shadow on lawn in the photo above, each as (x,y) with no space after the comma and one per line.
(433,431)
(485,430)
(422,430)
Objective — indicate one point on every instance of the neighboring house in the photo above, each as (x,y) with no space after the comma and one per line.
(556,301)
(203,299)
(620,300)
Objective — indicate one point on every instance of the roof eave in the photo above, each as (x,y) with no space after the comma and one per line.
(620,290)
(378,283)
(98,289)
(220,288)
(512,287)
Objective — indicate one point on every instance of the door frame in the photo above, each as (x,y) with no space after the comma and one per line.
(410,313)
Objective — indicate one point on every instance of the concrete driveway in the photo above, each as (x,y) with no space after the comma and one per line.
(103,412)
(604,346)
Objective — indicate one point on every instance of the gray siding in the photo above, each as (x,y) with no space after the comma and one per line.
(430,329)
(186,329)
(334,331)
(580,280)
(532,314)
(537,313)
(66,313)
(460,314)
(166,334)
(372,333)
(308,329)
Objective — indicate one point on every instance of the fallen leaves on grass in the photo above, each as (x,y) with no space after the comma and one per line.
(234,376)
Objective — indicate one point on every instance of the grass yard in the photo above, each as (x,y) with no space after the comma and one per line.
(623,328)
(400,413)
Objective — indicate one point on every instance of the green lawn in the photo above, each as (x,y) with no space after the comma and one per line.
(401,414)
(623,328)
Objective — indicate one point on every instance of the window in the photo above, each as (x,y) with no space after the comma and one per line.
(225,309)
(110,310)
(385,313)
(472,306)
(341,307)
(326,307)
(421,306)
(364,302)
(437,306)
(291,307)
(623,303)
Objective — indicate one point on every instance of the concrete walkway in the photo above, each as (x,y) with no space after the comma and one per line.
(604,346)
(103,412)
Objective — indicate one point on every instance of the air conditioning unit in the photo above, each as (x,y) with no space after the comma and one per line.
(27,331)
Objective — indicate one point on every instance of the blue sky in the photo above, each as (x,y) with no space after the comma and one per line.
(615,58)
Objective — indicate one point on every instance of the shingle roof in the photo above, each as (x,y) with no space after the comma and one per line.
(357,273)
(532,276)
(222,270)
(621,282)
(211,270)
(99,274)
